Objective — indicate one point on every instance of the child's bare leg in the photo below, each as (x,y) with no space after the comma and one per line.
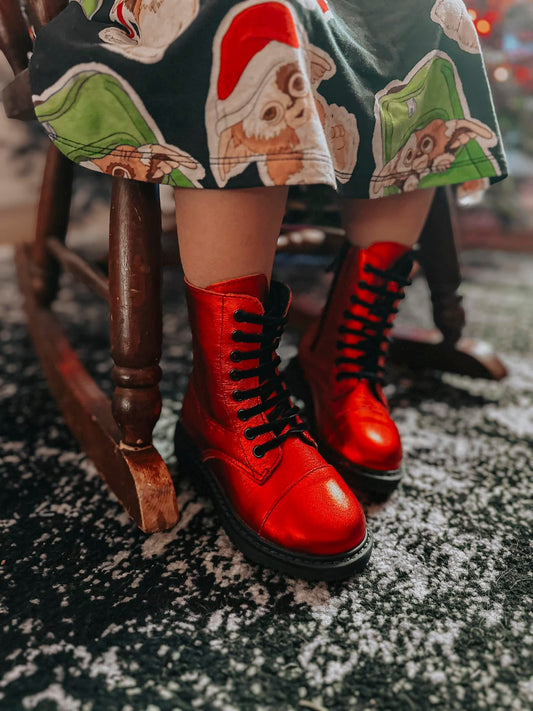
(224,234)
(397,218)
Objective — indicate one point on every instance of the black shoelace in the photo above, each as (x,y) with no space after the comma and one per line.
(373,342)
(275,397)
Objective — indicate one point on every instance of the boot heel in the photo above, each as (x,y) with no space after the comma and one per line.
(189,462)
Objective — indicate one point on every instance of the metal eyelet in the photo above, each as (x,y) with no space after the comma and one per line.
(235,356)
(238,315)
(237,395)
(242,415)
(249,434)
(258,452)
(234,374)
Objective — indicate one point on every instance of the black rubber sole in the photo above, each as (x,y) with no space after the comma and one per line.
(257,549)
(373,482)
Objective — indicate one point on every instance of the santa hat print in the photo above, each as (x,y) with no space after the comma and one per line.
(259,38)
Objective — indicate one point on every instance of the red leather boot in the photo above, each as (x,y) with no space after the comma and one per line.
(243,440)
(342,357)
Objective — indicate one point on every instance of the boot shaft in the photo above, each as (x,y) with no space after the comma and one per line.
(362,294)
(235,383)
(213,314)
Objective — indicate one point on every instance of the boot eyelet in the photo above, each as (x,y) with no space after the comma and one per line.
(249,433)
(238,315)
(242,415)
(258,452)
(234,374)
(237,395)
(235,356)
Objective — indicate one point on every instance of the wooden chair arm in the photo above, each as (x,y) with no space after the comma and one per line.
(16,97)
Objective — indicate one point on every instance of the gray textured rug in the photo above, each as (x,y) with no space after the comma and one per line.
(95,615)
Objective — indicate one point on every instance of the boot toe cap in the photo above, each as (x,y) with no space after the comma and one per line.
(317,516)
(371,443)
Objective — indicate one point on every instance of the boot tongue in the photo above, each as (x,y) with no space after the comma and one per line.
(255,285)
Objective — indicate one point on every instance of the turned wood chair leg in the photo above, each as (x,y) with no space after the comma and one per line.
(136,334)
(52,221)
(136,311)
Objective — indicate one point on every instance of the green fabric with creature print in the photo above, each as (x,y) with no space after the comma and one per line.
(112,126)
(430,100)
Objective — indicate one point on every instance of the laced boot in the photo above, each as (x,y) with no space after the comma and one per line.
(340,365)
(244,441)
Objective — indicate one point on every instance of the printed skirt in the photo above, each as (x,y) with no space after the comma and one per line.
(370,97)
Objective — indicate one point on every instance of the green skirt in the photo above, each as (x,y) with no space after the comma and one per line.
(371,97)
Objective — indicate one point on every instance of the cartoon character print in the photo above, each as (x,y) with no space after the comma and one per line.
(453,17)
(432,149)
(149,162)
(119,136)
(429,110)
(263,105)
(90,7)
(148,27)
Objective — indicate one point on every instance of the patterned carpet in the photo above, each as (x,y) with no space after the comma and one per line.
(96,615)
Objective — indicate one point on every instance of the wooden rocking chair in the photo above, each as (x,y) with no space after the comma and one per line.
(117,434)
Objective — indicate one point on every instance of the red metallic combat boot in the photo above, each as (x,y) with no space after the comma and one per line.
(342,357)
(242,439)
